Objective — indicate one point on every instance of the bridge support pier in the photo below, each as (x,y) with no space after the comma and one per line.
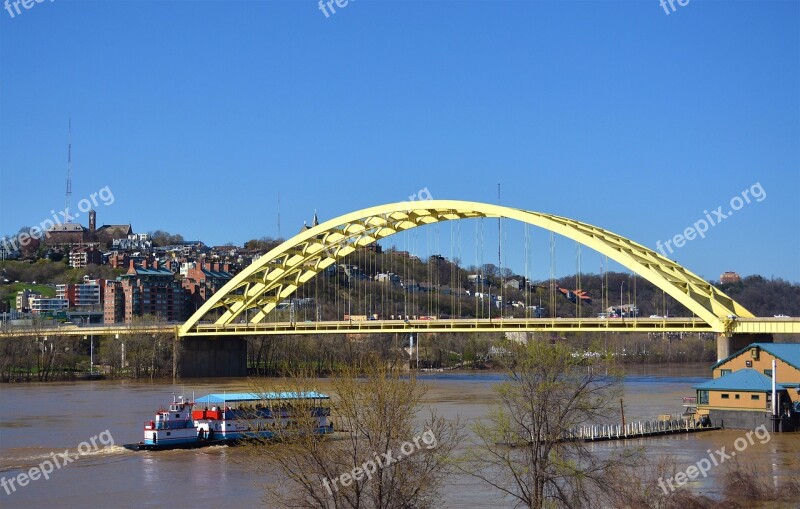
(212,357)
(728,345)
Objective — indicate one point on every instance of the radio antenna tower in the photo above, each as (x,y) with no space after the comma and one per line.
(68,201)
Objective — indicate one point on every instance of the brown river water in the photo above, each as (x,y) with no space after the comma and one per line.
(39,421)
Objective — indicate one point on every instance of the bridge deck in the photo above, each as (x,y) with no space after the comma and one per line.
(741,325)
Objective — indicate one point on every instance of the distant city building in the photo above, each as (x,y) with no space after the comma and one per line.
(41,304)
(119,260)
(86,294)
(144,290)
(391,278)
(133,242)
(225,251)
(108,233)
(625,311)
(74,233)
(477,279)
(80,257)
(66,234)
(23,299)
(352,272)
(6,251)
(202,280)
(414,286)
(537,311)
(314,222)
(184,249)
(730,277)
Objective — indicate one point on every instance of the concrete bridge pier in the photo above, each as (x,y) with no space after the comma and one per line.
(206,357)
(728,345)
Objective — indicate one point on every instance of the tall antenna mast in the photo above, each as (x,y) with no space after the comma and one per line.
(68,201)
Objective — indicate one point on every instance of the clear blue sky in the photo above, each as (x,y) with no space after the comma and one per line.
(198,114)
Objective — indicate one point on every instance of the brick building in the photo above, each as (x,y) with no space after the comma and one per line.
(144,290)
(202,280)
(68,234)
(82,256)
(82,295)
(730,277)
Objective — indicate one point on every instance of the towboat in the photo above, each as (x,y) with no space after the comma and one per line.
(226,419)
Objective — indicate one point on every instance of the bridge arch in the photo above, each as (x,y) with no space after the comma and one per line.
(279,273)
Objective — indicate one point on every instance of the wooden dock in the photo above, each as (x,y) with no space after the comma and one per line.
(638,429)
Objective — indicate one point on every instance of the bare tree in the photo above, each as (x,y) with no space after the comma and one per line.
(524,449)
(384,456)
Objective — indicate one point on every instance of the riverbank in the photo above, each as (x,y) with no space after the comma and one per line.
(80,377)
(155,356)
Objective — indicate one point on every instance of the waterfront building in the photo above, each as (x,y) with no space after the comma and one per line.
(740,393)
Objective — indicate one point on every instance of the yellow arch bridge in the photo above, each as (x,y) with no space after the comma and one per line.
(242,306)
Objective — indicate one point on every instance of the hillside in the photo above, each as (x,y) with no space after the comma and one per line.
(440,288)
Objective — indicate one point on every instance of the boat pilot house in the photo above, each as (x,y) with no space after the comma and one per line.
(757,385)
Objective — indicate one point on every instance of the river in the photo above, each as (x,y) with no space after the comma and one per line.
(39,419)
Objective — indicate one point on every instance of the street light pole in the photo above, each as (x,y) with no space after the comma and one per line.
(91,354)
(620,297)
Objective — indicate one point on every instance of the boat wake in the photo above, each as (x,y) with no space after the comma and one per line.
(24,459)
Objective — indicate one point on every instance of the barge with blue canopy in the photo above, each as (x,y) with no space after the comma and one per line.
(226,419)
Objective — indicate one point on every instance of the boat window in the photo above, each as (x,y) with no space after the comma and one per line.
(755,396)
(725,396)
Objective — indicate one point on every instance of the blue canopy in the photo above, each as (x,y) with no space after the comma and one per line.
(235,397)
(746,380)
